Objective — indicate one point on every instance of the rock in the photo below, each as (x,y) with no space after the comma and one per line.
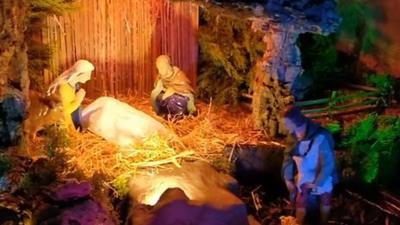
(89,212)
(177,209)
(256,164)
(72,191)
(74,205)
(194,194)
(301,86)
(281,62)
(12,115)
(4,184)
(14,80)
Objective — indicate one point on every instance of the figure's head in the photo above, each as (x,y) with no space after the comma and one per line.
(164,67)
(295,121)
(80,72)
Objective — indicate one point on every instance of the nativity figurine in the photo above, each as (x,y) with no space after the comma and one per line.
(172,94)
(70,93)
(107,117)
(120,123)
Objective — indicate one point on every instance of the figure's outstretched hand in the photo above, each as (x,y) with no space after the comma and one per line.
(54,85)
(52,88)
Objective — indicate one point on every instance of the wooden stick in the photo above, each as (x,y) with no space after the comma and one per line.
(362,87)
(316,115)
(359,197)
(338,107)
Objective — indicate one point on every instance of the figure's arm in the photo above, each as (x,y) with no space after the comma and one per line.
(288,175)
(288,162)
(169,92)
(66,96)
(326,161)
(288,168)
(154,93)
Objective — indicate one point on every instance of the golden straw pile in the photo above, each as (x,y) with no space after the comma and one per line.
(197,137)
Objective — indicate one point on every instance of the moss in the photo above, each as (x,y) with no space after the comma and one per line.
(42,173)
(228,52)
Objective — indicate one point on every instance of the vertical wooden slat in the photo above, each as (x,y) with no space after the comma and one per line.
(123,38)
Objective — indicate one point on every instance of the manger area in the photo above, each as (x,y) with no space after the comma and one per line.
(164,112)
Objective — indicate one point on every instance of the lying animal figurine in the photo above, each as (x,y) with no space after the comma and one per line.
(43,111)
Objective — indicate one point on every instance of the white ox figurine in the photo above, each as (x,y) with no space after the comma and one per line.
(118,122)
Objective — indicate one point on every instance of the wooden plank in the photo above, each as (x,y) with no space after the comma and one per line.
(124,58)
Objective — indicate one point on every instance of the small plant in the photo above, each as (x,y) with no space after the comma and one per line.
(385,85)
(55,138)
(375,146)
(334,127)
(42,173)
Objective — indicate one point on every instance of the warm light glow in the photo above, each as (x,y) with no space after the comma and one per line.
(150,190)
(152,197)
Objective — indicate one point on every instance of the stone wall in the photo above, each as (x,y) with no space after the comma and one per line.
(14,80)
(277,71)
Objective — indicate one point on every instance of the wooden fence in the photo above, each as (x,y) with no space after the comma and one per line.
(122,38)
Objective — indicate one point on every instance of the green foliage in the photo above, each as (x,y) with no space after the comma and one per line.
(5,164)
(384,82)
(45,170)
(375,147)
(228,52)
(43,8)
(55,138)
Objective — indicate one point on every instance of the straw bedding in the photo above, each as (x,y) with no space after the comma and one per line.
(203,137)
